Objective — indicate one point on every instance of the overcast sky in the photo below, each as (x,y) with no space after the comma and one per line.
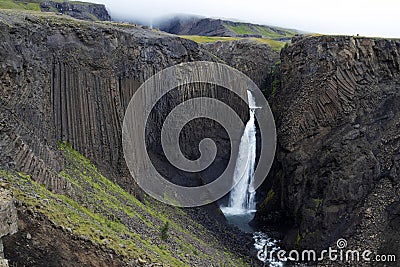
(364,17)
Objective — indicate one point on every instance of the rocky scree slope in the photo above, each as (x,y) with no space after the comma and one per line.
(337,167)
(65,84)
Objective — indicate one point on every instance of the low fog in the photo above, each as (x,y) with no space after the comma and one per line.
(367,18)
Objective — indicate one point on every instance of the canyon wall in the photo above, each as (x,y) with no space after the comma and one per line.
(255,59)
(64,80)
(337,166)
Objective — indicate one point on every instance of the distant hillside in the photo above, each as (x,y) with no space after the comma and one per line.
(79,10)
(182,25)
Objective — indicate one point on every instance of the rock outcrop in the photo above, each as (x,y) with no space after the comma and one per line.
(337,165)
(255,59)
(8,220)
(79,10)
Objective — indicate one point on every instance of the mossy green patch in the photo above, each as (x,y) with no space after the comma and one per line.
(275,86)
(267,200)
(298,238)
(164,231)
(317,203)
(274,44)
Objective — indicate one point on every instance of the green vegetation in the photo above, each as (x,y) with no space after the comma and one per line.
(94,208)
(164,231)
(32,4)
(264,31)
(96,214)
(271,194)
(241,29)
(298,237)
(21,5)
(275,86)
(274,44)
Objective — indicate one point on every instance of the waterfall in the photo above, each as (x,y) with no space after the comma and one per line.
(241,201)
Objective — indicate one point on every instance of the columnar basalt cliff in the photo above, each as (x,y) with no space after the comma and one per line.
(337,165)
(77,82)
(64,86)
(255,59)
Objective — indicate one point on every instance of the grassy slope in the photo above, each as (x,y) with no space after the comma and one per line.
(31,4)
(22,5)
(265,31)
(276,45)
(98,210)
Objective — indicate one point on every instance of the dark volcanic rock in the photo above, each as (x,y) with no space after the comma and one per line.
(338,122)
(77,81)
(256,60)
(79,10)
(196,26)
(40,243)
(63,79)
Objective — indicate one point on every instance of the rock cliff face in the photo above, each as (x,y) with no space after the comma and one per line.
(254,59)
(337,166)
(338,162)
(77,82)
(79,10)
(65,81)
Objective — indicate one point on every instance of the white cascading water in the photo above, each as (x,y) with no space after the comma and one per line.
(241,201)
(241,207)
